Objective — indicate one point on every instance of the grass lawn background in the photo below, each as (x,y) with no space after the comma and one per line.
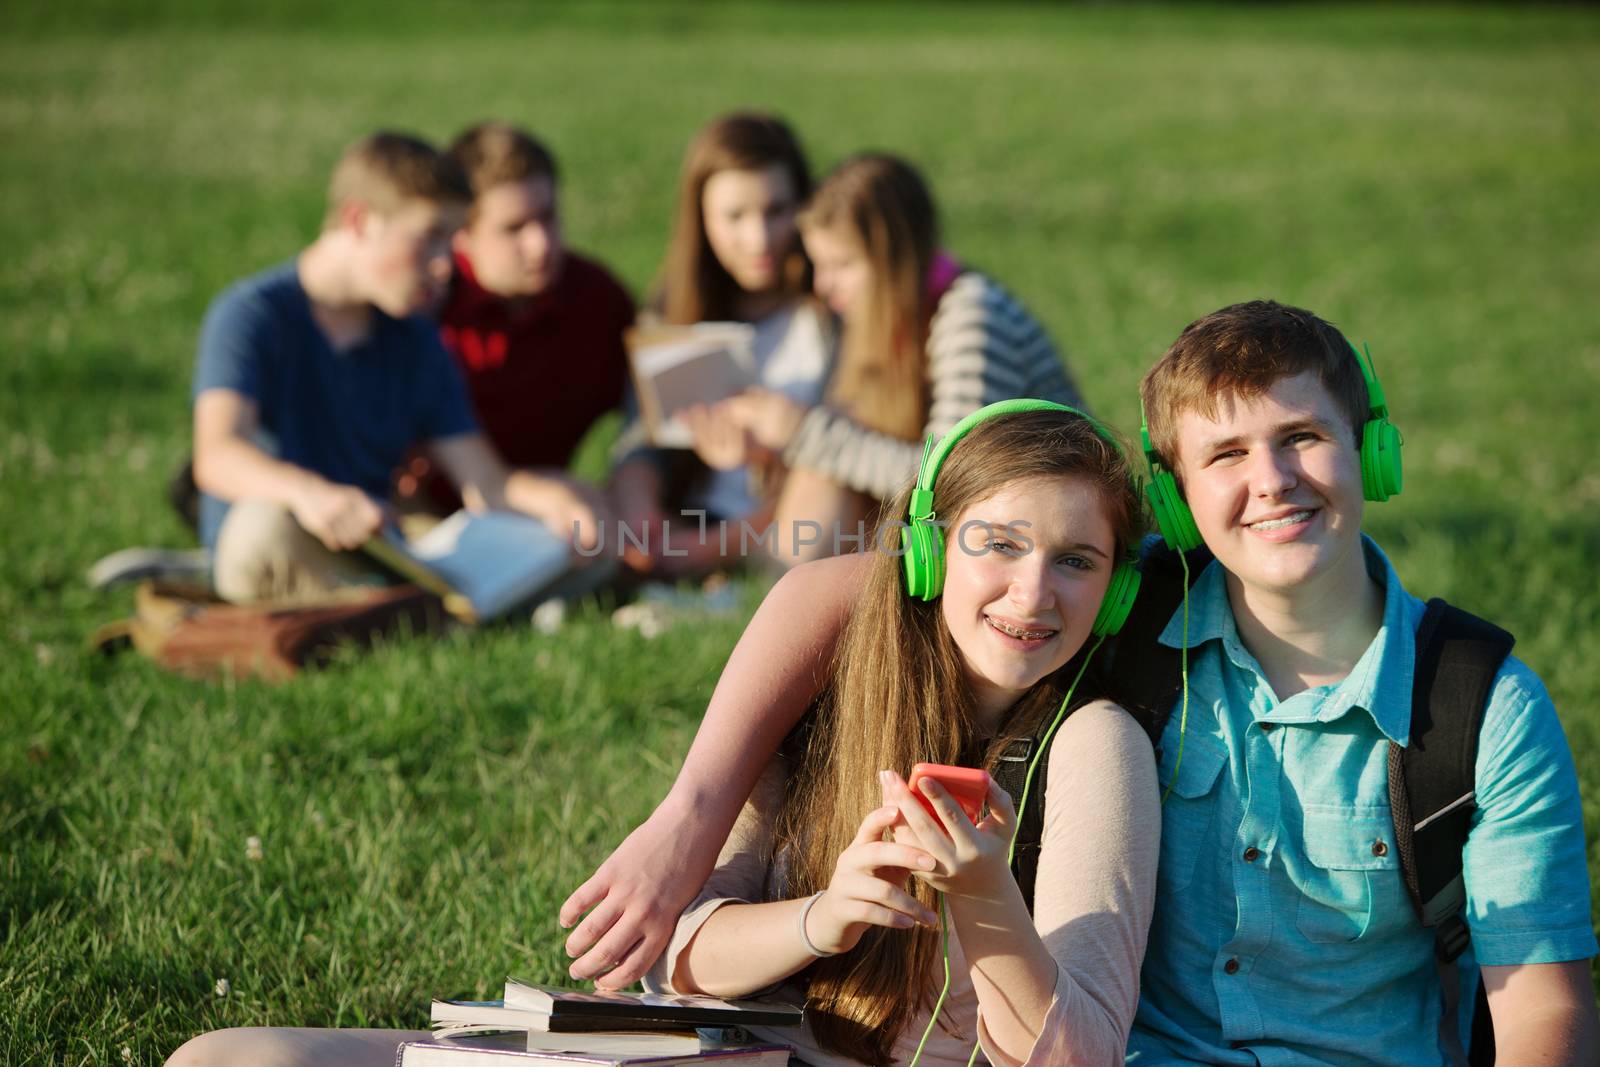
(1424,177)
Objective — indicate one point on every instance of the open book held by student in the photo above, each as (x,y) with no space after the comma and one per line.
(677,367)
(480,564)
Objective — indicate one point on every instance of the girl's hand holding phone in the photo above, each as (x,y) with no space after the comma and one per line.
(868,887)
(970,860)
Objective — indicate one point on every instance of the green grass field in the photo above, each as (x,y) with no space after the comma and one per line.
(1424,177)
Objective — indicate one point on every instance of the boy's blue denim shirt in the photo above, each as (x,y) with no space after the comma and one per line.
(1283,933)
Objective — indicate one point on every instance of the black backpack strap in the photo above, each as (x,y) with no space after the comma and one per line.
(1432,780)
(1141,673)
(1011,773)
(1133,669)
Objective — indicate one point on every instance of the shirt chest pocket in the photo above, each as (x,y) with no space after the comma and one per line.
(1189,809)
(1350,883)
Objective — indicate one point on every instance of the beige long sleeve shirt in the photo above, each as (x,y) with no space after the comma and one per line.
(1092,901)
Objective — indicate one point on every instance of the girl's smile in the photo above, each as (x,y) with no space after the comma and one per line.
(1026,568)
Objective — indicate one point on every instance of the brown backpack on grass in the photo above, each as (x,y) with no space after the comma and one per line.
(186,628)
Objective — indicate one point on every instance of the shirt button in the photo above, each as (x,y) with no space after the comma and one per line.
(1232,966)
(1380,848)
(1252,854)
(1266,727)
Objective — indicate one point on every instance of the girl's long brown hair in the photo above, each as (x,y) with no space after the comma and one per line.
(899,696)
(882,202)
(693,286)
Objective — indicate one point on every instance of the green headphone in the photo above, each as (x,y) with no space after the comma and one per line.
(923,540)
(1380,465)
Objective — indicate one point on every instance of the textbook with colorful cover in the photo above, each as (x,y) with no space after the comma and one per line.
(480,564)
(676,367)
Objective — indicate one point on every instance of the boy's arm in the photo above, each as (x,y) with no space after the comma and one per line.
(229,465)
(485,482)
(1527,877)
(773,674)
(1544,1013)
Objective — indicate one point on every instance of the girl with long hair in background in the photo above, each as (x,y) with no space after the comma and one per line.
(734,256)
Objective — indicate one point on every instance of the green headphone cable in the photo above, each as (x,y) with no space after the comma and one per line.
(944,990)
(1027,787)
(1183,670)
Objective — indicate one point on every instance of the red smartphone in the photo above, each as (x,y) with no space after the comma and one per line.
(968,786)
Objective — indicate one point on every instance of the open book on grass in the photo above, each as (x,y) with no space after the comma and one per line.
(482,565)
(676,367)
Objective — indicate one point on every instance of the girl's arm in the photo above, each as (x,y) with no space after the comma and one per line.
(1093,898)
(776,670)
(833,445)
(983,346)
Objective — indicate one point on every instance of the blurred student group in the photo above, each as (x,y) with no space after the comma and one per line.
(440,347)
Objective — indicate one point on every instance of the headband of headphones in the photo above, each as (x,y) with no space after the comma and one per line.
(933,456)
(923,540)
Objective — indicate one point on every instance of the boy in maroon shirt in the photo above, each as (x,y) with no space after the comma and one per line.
(535,329)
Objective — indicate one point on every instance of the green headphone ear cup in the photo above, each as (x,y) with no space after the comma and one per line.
(1381,472)
(1118,601)
(923,559)
(1173,516)
(911,560)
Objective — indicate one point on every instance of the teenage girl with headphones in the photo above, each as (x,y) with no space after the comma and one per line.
(972,637)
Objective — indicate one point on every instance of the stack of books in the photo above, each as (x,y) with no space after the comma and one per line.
(547,1025)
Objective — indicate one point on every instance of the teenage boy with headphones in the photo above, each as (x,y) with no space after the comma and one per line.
(1283,931)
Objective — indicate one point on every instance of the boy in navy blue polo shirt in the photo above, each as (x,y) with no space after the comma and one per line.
(315,378)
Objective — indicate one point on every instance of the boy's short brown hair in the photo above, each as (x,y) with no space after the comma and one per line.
(1244,350)
(492,153)
(385,169)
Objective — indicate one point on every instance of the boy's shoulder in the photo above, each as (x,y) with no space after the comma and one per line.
(269,294)
(593,281)
(1516,685)
(1519,728)
(586,291)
